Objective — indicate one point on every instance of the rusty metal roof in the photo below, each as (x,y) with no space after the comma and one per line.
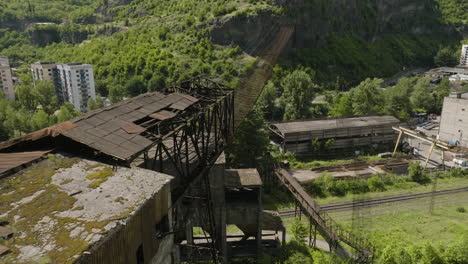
(115,130)
(9,161)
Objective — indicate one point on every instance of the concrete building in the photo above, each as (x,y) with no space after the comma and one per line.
(6,78)
(236,196)
(296,136)
(454,120)
(47,71)
(76,210)
(464,56)
(77,81)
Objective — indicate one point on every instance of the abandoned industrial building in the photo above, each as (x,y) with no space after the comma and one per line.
(75,210)
(107,173)
(442,142)
(296,136)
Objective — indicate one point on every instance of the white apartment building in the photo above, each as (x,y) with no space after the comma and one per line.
(6,78)
(77,82)
(464,56)
(47,71)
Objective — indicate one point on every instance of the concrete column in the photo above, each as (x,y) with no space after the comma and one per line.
(217,179)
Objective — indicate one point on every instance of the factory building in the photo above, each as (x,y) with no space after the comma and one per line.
(63,208)
(296,136)
(6,78)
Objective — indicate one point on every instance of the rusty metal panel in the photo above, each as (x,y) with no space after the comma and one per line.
(9,161)
(189,97)
(163,115)
(132,128)
(3,250)
(141,141)
(5,232)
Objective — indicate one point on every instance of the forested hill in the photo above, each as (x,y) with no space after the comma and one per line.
(143,45)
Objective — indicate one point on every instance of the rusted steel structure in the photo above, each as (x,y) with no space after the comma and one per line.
(180,131)
(321,221)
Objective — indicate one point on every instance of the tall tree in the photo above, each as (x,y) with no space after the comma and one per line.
(40,120)
(299,91)
(342,105)
(251,144)
(44,93)
(421,98)
(397,99)
(367,97)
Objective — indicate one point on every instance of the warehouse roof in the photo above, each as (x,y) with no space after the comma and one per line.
(62,205)
(118,130)
(292,127)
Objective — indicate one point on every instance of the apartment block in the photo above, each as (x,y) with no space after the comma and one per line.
(464,56)
(77,81)
(6,78)
(47,71)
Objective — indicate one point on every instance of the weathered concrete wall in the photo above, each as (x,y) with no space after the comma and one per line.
(139,230)
(454,121)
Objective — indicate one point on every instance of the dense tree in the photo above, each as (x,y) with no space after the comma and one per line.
(40,120)
(116,93)
(342,105)
(397,99)
(66,113)
(298,93)
(446,57)
(367,97)
(421,98)
(268,100)
(251,144)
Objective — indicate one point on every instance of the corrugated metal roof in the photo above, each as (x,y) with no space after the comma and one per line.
(112,130)
(328,124)
(9,161)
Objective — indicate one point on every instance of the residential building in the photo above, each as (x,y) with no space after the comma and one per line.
(296,136)
(47,71)
(77,82)
(464,56)
(6,78)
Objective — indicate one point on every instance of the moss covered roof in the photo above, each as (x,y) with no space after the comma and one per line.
(62,205)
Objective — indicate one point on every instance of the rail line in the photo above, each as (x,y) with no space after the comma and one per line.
(373,202)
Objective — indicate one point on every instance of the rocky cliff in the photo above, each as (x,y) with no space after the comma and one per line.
(316,20)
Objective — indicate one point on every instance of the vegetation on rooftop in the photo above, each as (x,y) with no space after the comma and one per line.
(25,215)
(99,177)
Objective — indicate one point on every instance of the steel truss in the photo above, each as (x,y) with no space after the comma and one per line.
(186,143)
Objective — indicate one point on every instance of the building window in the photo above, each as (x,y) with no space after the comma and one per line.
(140,257)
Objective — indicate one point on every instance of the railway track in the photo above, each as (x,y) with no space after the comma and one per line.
(368,203)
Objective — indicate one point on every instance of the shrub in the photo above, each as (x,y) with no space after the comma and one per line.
(376,184)
(299,230)
(416,173)
(461,209)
